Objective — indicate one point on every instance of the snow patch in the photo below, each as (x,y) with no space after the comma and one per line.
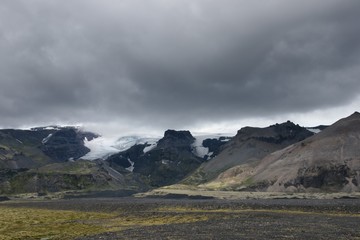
(199,150)
(124,143)
(165,162)
(19,141)
(45,140)
(314,130)
(225,139)
(131,168)
(52,128)
(150,147)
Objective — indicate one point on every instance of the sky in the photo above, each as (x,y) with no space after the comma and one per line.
(143,66)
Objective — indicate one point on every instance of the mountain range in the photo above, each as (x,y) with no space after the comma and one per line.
(280,158)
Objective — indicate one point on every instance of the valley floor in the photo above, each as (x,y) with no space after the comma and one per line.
(155,218)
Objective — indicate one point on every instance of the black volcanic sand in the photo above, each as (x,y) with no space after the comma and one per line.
(240,219)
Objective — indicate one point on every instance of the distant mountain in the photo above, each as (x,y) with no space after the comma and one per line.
(327,162)
(47,159)
(248,147)
(42,160)
(281,157)
(168,162)
(40,146)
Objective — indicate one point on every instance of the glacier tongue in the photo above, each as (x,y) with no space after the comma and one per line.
(199,150)
(102,147)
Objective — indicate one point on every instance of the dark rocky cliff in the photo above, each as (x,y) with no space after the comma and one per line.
(169,162)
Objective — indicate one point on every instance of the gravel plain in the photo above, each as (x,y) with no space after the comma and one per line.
(220,219)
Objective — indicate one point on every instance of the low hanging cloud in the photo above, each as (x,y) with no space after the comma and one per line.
(174,63)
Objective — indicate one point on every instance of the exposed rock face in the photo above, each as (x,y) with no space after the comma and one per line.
(123,161)
(328,161)
(170,161)
(65,144)
(176,139)
(215,145)
(248,147)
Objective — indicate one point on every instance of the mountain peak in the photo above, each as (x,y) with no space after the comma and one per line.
(178,134)
(355,114)
(173,137)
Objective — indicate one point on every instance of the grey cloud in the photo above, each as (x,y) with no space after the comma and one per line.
(174,63)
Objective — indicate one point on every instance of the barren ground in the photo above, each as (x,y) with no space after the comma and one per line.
(156,218)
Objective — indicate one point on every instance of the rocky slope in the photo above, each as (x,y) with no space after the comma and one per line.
(328,162)
(248,147)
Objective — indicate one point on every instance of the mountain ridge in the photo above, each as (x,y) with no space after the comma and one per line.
(327,161)
(282,157)
(249,146)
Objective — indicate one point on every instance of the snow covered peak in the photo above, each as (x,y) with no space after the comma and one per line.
(102,147)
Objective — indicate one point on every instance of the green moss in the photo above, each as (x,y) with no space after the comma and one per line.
(27,223)
(78,167)
(248,182)
(23,223)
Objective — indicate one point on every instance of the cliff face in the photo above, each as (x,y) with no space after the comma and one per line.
(65,144)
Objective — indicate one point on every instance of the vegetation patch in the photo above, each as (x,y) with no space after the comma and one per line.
(27,223)
(31,223)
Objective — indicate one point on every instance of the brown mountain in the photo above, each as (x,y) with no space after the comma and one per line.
(248,147)
(326,162)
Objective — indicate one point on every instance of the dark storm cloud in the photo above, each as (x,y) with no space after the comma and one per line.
(172,63)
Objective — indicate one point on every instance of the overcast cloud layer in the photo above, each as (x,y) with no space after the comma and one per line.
(158,64)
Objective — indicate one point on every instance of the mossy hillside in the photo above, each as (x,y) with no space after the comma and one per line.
(24,223)
(78,167)
(28,182)
(81,175)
